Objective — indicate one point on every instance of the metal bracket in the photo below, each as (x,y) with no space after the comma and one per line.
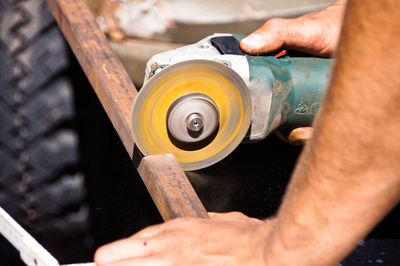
(31,251)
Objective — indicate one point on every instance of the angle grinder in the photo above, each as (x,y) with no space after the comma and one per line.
(200,101)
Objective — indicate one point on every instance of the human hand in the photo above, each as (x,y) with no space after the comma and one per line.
(316,33)
(224,239)
(297,136)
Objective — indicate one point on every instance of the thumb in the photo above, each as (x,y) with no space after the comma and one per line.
(270,37)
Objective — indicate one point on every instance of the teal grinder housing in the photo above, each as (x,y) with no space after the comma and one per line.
(200,101)
(286,90)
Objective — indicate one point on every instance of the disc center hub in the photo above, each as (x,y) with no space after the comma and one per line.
(192,121)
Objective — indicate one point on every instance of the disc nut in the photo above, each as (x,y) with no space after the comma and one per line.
(194,122)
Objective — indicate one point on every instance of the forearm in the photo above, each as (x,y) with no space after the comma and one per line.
(348,176)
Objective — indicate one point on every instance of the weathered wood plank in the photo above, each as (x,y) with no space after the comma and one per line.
(169,187)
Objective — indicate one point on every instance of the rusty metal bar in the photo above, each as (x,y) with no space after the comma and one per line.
(178,198)
(104,71)
(163,176)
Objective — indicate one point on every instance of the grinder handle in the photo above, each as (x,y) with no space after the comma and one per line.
(296,83)
(292,85)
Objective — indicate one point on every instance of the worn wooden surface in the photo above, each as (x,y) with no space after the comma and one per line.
(171,191)
(162,174)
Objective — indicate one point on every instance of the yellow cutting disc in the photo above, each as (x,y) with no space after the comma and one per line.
(217,82)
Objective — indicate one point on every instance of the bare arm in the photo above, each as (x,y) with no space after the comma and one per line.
(348,176)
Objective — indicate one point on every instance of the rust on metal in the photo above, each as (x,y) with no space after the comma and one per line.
(162,174)
(104,71)
(169,187)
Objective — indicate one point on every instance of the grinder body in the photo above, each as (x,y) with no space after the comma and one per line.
(233,96)
(286,92)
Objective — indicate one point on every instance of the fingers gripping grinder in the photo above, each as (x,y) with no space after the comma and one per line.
(200,101)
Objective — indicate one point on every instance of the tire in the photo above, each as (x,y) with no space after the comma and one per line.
(42,184)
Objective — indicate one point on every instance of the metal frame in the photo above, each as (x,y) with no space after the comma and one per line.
(165,180)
